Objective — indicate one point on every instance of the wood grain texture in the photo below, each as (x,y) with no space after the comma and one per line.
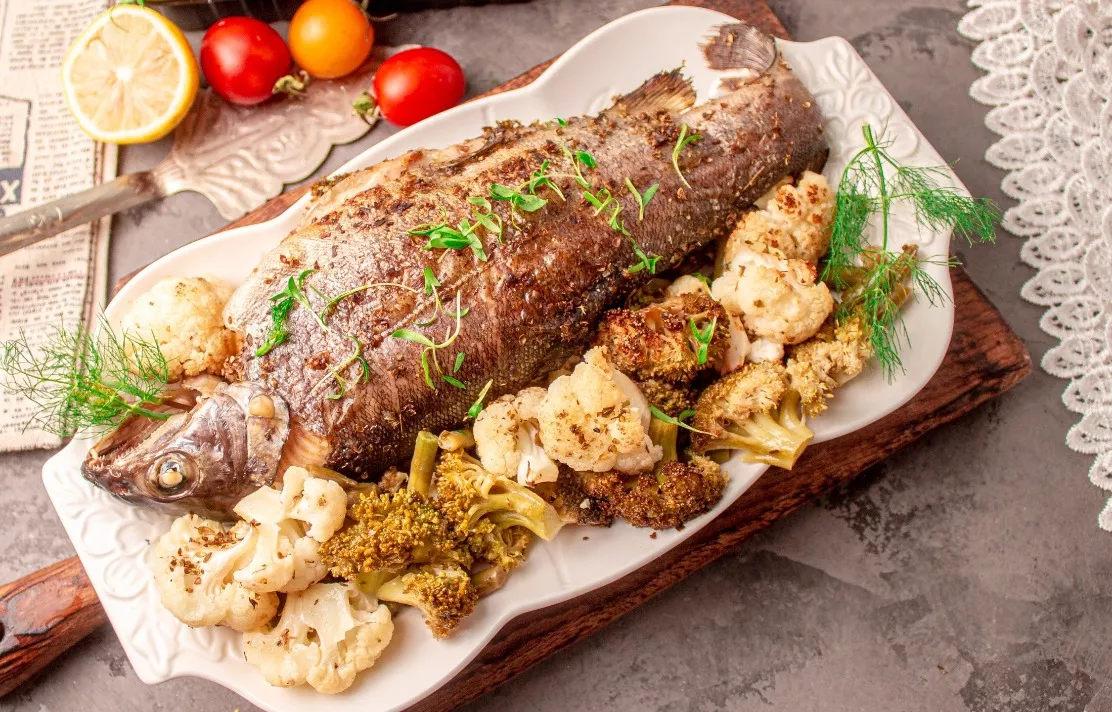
(42,616)
(985,359)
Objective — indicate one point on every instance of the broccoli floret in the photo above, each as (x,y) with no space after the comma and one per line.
(755,412)
(835,355)
(511,504)
(498,543)
(391,530)
(444,594)
(573,503)
(669,397)
(659,342)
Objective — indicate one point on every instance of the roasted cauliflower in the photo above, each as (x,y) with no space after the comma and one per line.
(795,223)
(835,355)
(755,412)
(194,569)
(285,559)
(183,317)
(778,300)
(507,438)
(327,634)
(661,341)
(595,419)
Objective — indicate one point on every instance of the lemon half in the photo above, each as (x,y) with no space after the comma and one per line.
(130,77)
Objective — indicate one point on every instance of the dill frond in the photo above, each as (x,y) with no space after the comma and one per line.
(81,381)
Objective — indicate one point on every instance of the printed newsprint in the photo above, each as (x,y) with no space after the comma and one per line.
(43,156)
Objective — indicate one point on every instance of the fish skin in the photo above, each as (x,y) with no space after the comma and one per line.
(535,302)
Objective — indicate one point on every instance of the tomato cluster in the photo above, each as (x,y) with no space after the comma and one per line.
(243,58)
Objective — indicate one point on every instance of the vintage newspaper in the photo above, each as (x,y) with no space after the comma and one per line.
(43,156)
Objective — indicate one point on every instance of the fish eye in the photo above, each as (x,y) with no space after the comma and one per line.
(171,473)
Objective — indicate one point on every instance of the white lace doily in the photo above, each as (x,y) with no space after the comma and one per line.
(1049,81)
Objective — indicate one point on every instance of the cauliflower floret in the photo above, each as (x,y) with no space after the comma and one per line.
(595,420)
(835,355)
(687,284)
(194,568)
(326,636)
(778,300)
(508,441)
(320,503)
(795,224)
(285,559)
(183,316)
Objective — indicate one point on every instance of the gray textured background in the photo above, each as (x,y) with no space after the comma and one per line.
(967,573)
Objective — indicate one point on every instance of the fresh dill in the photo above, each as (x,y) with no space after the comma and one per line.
(702,336)
(642,198)
(83,381)
(676,421)
(876,279)
(477,406)
(644,261)
(681,143)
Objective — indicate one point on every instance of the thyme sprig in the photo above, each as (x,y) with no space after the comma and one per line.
(83,381)
(875,277)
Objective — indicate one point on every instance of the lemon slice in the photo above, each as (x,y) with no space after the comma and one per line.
(130,77)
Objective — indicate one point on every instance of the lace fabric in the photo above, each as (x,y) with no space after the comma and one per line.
(1049,81)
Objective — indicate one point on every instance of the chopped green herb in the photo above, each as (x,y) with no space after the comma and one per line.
(414,336)
(678,422)
(280,309)
(477,406)
(681,143)
(642,199)
(431,282)
(459,362)
(579,161)
(560,121)
(599,200)
(479,201)
(454,381)
(616,223)
(645,262)
(702,278)
(702,337)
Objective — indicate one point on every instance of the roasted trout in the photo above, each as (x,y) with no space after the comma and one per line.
(372,286)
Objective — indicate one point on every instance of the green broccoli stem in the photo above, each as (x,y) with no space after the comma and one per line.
(371,582)
(776,439)
(423,463)
(664,435)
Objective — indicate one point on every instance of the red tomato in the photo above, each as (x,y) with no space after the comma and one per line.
(242,57)
(416,83)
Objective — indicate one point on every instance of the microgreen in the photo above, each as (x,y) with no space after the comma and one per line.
(336,373)
(579,161)
(616,223)
(702,336)
(431,282)
(642,198)
(281,305)
(459,362)
(477,406)
(644,261)
(599,200)
(561,122)
(429,352)
(682,142)
(678,421)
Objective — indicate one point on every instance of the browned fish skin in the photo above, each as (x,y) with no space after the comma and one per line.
(537,298)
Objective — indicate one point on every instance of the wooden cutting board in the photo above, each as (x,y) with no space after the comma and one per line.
(47,612)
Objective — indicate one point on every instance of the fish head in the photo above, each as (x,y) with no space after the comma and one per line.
(203,459)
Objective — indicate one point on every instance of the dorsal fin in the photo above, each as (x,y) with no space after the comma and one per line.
(667,91)
(740,46)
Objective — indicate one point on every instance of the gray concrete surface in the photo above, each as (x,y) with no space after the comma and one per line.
(967,573)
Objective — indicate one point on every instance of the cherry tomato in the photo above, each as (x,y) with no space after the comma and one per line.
(416,83)
(242,57)
(330,38)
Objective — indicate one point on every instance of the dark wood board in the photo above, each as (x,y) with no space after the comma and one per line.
(984,360)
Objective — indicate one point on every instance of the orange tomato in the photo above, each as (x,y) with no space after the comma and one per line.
(330,38)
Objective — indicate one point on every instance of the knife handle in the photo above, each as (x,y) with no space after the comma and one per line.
(42,615)
(42,221)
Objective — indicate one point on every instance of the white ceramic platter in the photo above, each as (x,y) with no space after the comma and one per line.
(112,538)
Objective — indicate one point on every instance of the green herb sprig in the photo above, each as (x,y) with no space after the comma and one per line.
(642,198)
(644,260)
(477,406)
(81,381)
(702,337)
(677,421)
(429,359)
(873,276)
(683,142)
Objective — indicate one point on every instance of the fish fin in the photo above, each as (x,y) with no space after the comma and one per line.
(740,45)
(668,91)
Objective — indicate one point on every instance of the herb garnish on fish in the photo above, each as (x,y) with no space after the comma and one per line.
(642,198)
(431,348)
(874,276)
(82,381)
(477,406)
(645,262)
(681,143)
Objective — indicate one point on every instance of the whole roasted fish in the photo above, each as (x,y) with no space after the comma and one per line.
(394,325)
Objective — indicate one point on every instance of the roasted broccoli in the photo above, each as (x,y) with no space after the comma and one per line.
(673,493)
(444,594)
(754,411)
(835,355)
(573,503)
(674,340)
(669,397)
